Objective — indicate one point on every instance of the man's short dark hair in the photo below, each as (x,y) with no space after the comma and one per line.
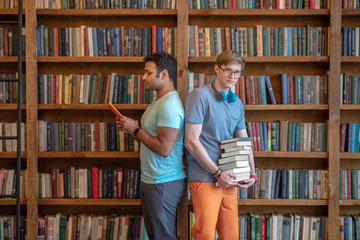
(163,61)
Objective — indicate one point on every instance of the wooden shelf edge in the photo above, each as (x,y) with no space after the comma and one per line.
(280,202)
(349,106)
(291,154)
(105,12)
(11,155)
(258,12)
(11,106)
(88,155)
(10,11)
(63,59)
(10,59)
(350,12)
(90,202)
(287,107)
(275,59)
(350,155)
(12,201)
(350,59)
(91,106)
(349,202)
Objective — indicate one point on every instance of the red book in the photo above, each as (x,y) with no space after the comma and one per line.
(53,183)
(342,136)
(86,42)
(95,182)
(56,89)
(52,78)
(348,176)
(122,41)
(241,95)
(247,90)
(119,181)
(123,190)
(233,4)
(277,4)
(153,39)
(263,228)
(257,126)
(254,136)
(343,184)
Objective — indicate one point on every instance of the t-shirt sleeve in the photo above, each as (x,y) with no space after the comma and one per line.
(171,115)
(241,123)
(195,108)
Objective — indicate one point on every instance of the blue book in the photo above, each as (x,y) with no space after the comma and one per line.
(242,193)
(158,39)
(289,41)
(237,42)
(261,133)
(301,184)
(299,43)
(104,42)
(284,183)
(306,183)
(112,133)
(277,183)
(297,141)
(346,228)
(265,41)
(273,183)
(263,89)
(276,41)
(116,42)
(115,90)
(293,136)
(340,184)
(352,42)
(345,38)
(290,127)
(305,87)
(284,91)
(286,228)
(99,41)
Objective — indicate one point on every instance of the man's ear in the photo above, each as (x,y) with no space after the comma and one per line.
(216,68)
(164,74)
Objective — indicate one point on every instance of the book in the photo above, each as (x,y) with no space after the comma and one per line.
(232,149)
(114,110)
(244,157)
(238,170)
(233,142)
(235,164)
(234,153)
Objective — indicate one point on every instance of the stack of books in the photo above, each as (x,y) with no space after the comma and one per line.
(235,157)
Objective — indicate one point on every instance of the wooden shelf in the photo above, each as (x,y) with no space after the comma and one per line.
(90,59)
(348,155)
(10,11)
(291,154)
(12,201)
(91,106)
(89,155)
(350,59)
(350,202)
(350,12)
(280,202)
(11,155)
(349,106)
(105,12)
(11,106)
(287,107)
(10,59)
(275,59)
(258,12)
(90,202)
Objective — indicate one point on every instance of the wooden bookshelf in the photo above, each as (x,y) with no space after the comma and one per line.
(333,112)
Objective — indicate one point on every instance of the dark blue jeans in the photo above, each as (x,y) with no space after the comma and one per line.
(159,203)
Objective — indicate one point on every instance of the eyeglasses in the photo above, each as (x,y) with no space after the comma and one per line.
(228,72)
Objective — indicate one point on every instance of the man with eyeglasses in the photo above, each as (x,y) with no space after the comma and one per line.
(213,113)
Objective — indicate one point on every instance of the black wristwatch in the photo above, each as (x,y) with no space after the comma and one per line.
(136,131)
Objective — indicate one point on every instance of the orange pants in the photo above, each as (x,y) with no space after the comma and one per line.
(214,207)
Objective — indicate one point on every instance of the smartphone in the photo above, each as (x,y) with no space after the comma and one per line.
(114,110)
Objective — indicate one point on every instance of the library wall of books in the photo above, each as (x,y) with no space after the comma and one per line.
(80,175)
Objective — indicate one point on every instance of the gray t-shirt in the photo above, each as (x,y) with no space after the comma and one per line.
(219,121)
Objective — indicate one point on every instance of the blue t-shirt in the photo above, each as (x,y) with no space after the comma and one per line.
(219,121)
(167,111)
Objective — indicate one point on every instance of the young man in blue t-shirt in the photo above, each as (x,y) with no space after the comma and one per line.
(214,113)
(161,148)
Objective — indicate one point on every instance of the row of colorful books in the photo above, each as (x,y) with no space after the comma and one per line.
(276,226)
(301,89)
(8,227)
(93,89)
(259,41)
(92,183)
(9,129)
(349,89)
(84,136)
(288,184)
(100,41)
(84,226)
(288,136)
(349,183)
(107,4)
(9,90)
(8,181)
(258,4)
(9,41)
(350,41)
(349,227)
(349,137)
(350,4)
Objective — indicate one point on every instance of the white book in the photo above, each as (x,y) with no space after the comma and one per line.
(238,170)
(233,140)
(244,157)
(235,164)
(234,153)
(232,149)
